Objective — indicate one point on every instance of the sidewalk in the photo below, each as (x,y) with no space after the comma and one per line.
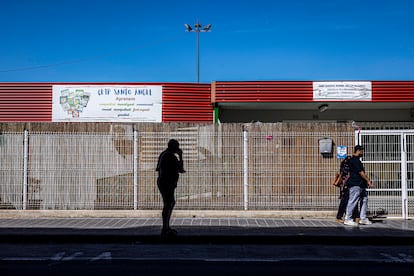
(206,230)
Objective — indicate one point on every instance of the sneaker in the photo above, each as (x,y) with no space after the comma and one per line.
(350,223)
(339,220)
(365,221)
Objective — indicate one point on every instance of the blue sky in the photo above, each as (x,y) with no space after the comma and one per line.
(145,41)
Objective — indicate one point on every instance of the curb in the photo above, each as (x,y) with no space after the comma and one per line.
(157,214)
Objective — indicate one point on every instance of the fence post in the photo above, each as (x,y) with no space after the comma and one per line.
(25,161)
(246,169)
(404,193)
(135,170)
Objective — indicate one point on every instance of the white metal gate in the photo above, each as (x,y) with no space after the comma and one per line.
(389,161)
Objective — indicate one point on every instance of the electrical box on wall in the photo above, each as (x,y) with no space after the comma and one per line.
(326,146)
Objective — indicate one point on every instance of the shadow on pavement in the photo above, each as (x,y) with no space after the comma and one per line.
(214,235)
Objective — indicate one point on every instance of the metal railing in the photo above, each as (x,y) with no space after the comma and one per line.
(266,168)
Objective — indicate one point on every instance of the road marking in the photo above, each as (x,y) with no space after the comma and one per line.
(102,256)
(60,256)
(407,258)
(73,256)
(399,258)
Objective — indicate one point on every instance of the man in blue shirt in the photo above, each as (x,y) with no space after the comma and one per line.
(358,183)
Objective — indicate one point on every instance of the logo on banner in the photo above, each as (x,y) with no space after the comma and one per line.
(74,102)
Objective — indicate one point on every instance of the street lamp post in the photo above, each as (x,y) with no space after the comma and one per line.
(197,29)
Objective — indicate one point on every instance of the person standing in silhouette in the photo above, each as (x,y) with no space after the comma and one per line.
(169,167)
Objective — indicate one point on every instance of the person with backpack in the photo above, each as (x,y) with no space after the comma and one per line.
(341,181)
(358,182)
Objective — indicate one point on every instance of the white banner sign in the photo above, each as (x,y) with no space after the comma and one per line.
(103,103)
(342,90)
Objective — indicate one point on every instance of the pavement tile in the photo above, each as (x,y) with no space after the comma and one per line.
(281,223)
(270,222)
(242,222)
(261,222)
(214,222)
(251,221)
(196,222)
(177,221)
(187,221)
(233,222)
(224,222)
(205,222)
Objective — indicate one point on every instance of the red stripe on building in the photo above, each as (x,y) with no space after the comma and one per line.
(264,91)
(25,102)
(393,91)
(186,103)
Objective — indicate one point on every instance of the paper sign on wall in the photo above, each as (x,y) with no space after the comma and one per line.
(341,152)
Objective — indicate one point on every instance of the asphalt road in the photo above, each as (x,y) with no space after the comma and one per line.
(203,259)
(201,268)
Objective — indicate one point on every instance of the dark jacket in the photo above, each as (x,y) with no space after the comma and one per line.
(168,168)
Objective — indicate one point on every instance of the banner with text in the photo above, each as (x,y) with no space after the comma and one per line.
(112,103)
(342,91)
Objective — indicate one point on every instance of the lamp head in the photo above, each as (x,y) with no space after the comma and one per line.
(188,28)
(207,28)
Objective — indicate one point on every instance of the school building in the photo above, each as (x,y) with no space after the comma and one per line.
(248,144)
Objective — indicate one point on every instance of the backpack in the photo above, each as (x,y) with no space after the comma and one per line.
(342,176)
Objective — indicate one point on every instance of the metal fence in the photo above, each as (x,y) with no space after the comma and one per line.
(238,167)
(389,159)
